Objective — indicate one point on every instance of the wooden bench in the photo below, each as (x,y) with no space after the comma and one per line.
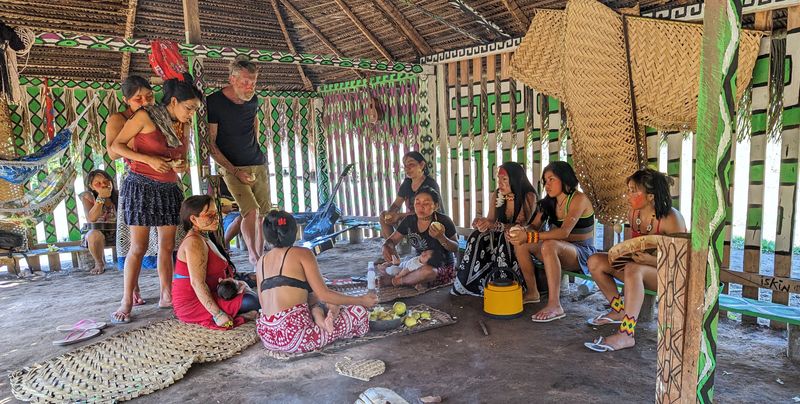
(749,307)
(31,256)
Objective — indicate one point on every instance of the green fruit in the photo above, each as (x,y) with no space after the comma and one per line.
(416,315)
(425,315)
(399,308)
(373,316)
(410,322)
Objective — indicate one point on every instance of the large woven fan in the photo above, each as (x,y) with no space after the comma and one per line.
(616,75)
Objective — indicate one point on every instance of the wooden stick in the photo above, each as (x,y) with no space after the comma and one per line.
(483,327)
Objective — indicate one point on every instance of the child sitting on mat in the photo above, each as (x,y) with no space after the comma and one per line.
(228,289)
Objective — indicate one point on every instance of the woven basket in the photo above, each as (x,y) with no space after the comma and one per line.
(599,110)
(130,364)
(579,56)
(363,370)
(665,65)
(538,60)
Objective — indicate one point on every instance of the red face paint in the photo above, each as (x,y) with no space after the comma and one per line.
(637,200)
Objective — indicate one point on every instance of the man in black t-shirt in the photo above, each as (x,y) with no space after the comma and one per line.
(233,132)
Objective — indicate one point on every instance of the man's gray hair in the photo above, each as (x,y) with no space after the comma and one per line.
(242,63)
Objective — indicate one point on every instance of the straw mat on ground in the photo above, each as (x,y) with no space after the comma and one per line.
(385,293)
(130,364)
(438,319)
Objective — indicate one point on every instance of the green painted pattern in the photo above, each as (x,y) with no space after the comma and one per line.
(104,110)
(759,123)
(304,142)
(290,134)
(755,215)
(60,99)
(262,125)
(323,179)
(761,71)
(715,128)
(474,128)
(276,150)
(17,129)
(756,172)
(791,116)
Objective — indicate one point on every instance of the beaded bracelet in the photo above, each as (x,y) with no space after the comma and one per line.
(533,237)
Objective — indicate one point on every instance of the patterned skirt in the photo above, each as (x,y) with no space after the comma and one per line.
(147,202)
(480,259)
(293,330)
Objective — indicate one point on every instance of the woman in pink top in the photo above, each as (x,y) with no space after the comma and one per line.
(154,143)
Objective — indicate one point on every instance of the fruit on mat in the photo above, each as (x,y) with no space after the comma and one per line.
(399,308)
(410,322)
(425,315)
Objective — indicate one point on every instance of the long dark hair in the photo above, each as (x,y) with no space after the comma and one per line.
(280,228)
(193,206)
(420,159)
(133,84)
(181,90)
(655,183)
(114,193)
(569,184)
(520,187)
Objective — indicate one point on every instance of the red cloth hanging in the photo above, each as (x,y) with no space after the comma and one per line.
(49,112)
(166,60)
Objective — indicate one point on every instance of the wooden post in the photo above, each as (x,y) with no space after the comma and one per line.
(716,116)
(191,23)
(790,147)
(680,316)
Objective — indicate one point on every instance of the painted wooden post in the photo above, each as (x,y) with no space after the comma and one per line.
(680,316)
(191,23)
(323,182)
(755,196)
(716,114)
(790,146)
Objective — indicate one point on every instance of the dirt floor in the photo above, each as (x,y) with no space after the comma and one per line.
(518,362)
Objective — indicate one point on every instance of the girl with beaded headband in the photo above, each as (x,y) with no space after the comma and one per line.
(651,212)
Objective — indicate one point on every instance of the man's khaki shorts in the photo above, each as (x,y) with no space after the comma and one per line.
(250,197)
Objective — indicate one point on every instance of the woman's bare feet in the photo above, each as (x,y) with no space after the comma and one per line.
(137,299)
(619,340)
(330,318)
(549,313)
(532,297)
(166,300)
(99,268)
(123,313)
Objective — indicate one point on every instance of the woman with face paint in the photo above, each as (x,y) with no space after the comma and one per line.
(651,212)
(417,176)
(201,266)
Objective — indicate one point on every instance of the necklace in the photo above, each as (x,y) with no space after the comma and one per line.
(425,219)
(178,127)
(639,223)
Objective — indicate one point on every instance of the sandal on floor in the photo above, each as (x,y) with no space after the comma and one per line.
(532,301)
(602,317)
(86,324)
(599,346)
(77,336)
(126,318)
(549,319)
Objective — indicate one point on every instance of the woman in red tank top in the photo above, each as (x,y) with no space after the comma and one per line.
(200,267)
(651,212)
(150,196)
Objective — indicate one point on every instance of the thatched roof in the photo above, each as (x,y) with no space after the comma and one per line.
(253,24)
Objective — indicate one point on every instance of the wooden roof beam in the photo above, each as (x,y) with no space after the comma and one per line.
(315,31)
(480,19)
(306,82)
(408,30)
(126,57)
(361,27)
(522,20)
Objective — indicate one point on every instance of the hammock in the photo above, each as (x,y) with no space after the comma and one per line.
(18,171)
(56,186)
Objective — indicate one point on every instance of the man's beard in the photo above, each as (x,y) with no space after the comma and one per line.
(246,96)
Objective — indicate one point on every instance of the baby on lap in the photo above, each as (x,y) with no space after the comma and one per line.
(398,269)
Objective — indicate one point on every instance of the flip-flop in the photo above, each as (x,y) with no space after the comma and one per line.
(86,324)
(549,319)
(608,320)
(77,336)
(599,346)
(126,318)
(141,301)
(531,301)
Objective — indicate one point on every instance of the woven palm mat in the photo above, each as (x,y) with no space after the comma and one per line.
(438,319)
(385,293)
(130,364)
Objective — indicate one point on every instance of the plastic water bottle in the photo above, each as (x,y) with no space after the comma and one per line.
(371,276)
